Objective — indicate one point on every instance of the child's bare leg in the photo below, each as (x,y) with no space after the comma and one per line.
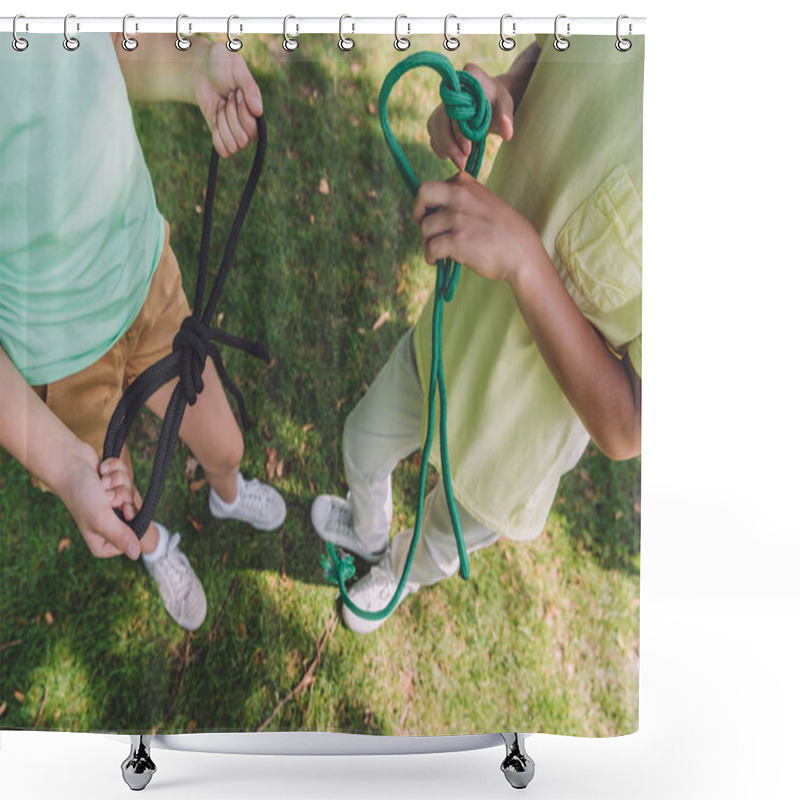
(211,432)
(149,541)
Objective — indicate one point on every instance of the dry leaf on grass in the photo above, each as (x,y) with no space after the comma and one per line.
(63,545)
(48,618)
(272,463)
(382,320)
(196,486)
(194,523)
(19,695)
(323,187)
(190,470)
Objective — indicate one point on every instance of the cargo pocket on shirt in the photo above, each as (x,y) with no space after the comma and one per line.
(601,246)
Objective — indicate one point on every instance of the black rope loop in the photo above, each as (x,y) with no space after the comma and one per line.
(191,347)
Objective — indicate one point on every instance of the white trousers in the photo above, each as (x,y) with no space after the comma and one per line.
(380,431)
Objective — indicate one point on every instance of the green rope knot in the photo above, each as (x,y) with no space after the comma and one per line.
(467,105)
(336,567)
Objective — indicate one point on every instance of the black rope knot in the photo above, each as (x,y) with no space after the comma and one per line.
(468,105)
(191,342)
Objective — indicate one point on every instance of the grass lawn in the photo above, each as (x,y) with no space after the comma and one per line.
(329,273)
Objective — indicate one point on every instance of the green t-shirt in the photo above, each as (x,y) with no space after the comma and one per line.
(80,233)
(574,169)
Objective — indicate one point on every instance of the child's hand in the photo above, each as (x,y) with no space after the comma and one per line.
(117,480)
(88,501)
(447,141)
(230,100)
(463,220)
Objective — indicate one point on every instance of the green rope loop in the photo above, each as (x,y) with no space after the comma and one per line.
(464,101)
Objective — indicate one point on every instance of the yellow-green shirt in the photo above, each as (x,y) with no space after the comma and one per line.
(574,169)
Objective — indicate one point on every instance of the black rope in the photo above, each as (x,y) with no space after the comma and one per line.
(194,342)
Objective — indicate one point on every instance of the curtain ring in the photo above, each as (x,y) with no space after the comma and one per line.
(450,42)
(345,42)
(623,45)
(181,42)
(70,42)
(401,42)
(507,42)
(234,45)
(560,42)
(128,42)
(290,43)
(18,43)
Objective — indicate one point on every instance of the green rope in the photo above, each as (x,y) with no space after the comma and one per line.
(464,101)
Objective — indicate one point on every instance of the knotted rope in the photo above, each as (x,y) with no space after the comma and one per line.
(464,101)
(193,343)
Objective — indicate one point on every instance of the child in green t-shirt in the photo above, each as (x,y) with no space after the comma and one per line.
(92,291)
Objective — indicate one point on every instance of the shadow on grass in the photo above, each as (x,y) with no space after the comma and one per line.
(598,503)
(88,646)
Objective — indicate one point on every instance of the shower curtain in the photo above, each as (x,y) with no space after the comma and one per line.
(239,621)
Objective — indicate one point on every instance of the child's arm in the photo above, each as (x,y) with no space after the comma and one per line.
(503,93)
(207,75)
(474,226)
(49,450)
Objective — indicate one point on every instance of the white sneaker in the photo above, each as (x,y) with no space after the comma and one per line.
(178,585)
(256,504)
(332,519)
(373,593)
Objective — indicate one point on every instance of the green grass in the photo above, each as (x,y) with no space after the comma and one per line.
(544,635)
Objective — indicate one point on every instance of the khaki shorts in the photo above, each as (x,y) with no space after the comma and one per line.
(85,401)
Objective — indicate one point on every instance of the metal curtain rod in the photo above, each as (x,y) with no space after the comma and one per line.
(407,26)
